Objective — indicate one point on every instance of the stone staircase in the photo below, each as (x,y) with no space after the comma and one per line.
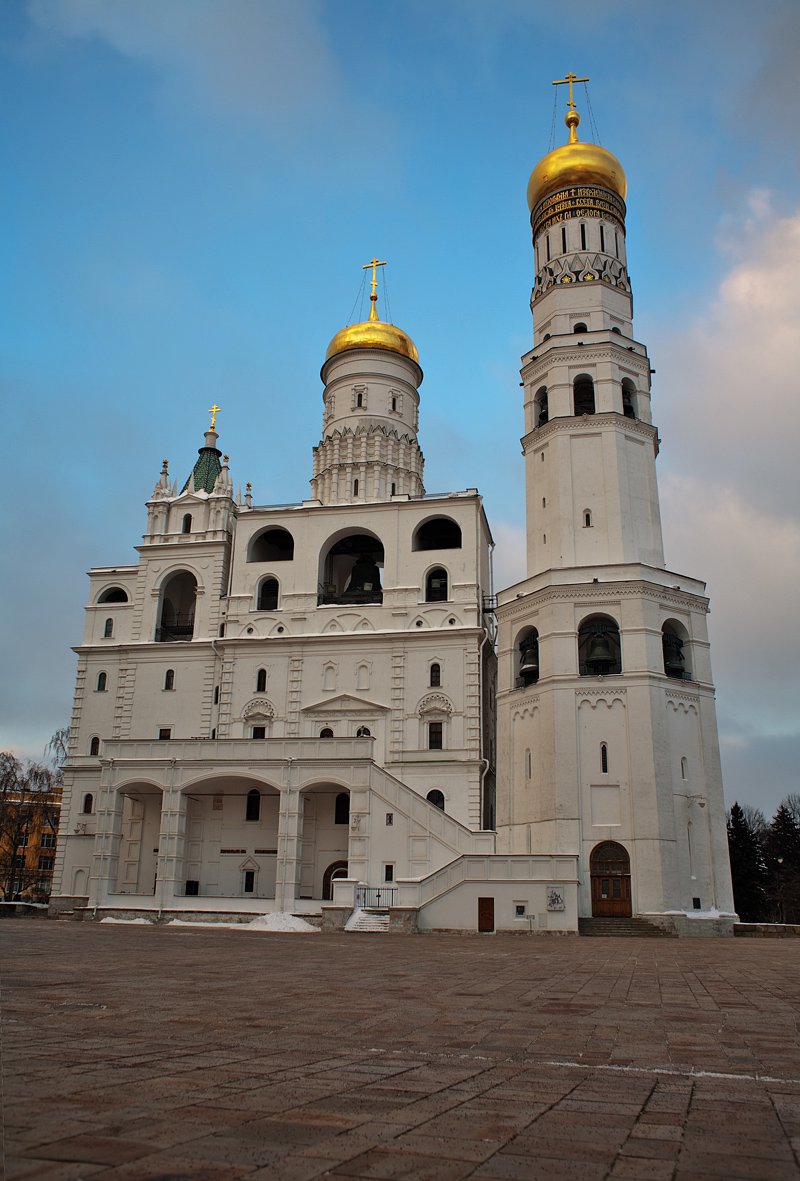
(624,928)
(370,921)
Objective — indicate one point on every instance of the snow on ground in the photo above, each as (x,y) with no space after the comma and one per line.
(262,922)
(129,922)
(354,917)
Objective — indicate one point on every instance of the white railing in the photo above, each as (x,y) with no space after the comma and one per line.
(221,750)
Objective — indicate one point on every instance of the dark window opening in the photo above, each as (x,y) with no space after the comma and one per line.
(394,403)
(359,399)
(94,747)
(435,736)
(394,489)
(326,732)
(583,395)
(216,695)
(436,676)
(108,629)
(259,731)
(616,243)
(169,678)
(587,520)
(604,758)
(177,608)
(673,648)
(540,407)
(102,682)
(352,571)
(563,240)
(599,647)
(628,398)
(602,238)
(114,594)
(388,873)
(617,330)
(268,595)
(547,240)
(252,809)
(261,681)
(186,526)
(580,327)
(164,734)
(439,533)
(436,586)
(355,487)
(363,732)
(341,808)
(436,798)
(249,881)
(528,658)
(583,236)
(273,545)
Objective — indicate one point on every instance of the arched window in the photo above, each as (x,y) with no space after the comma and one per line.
(186,526)
(359,400)
(617,330)
(326,732)
(583,395)
(341,808)
(438,533)
(355,483)
(436,798)
(94,747)
(436,676)
(528,658)
(603,239)
(350,571)
(587,518)
(114,594)
(253,806)
(604,758)
(541,412)
(261,681)
(102,682)
(528,764)
(599,647)
(108,629)
(363,732)
(675,650)
(268,595)
(88,803)
(177,608)
(169,678)
(436,586)
(273,545)
(394,403)
(628,398)
(581,327)
(684,768)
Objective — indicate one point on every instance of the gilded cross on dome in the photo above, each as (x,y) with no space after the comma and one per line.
(568,80)
(214,411)
(373,312)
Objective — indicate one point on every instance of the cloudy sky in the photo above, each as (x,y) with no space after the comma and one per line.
(190,189)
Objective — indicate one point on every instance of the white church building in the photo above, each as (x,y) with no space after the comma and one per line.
(321,707)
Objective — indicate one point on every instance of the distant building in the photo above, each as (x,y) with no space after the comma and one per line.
(294,706)
(29,822)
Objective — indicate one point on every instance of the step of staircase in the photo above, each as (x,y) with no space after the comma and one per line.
(373,922)
(623,927)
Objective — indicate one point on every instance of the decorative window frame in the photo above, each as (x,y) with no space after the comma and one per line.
(361,390)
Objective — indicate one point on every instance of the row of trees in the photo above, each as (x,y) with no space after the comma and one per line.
(765,862)
(30,808)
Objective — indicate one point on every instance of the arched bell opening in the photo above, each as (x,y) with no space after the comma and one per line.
(541,411)
(629,398)
(437,533)
(268,595)
(583,395)
(351,571)
(176,618)
(599,647)
(675,650)
(610,876)
(527,656)
(436,586)
(271,545)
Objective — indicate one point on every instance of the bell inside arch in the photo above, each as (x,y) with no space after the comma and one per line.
(674,661)
(529,658)
(599,650)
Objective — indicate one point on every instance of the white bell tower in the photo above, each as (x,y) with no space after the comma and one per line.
(607,732)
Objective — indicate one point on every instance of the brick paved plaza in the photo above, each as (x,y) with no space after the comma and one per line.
(142,1052)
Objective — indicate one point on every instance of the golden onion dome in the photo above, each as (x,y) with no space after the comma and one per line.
(575,163)
(373,334)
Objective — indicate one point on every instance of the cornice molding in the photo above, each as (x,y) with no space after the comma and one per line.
(583,592)
(589,422)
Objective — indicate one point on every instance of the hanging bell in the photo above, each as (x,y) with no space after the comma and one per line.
(529,661)
(674,663)
(599,650)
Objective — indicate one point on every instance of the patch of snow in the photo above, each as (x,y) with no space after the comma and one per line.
(354,917)
(129,922)
(282,921)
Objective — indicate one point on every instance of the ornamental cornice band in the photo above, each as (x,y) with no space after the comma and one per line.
(588,422)
(574,592)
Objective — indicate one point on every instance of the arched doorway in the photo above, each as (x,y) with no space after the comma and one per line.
(610,870)
(338,869)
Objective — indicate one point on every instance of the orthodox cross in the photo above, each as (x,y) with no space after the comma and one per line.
(373,315)
(568,80)
(214,411)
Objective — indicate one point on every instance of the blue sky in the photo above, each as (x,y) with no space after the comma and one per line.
(190,189)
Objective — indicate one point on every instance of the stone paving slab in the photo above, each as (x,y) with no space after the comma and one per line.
(155,1053)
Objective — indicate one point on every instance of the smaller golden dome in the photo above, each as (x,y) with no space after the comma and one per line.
(373,334)
(575,163)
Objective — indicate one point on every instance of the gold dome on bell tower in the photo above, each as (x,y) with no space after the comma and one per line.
(373,333)
(575,163)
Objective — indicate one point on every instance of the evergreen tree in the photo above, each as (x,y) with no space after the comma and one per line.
(748,868)
(782,845)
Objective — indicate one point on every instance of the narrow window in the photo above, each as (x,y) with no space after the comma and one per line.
(435,736)
(436,676)
(394,403)
(108,629)
(169,678)
(359,399)
(216,695)
(252,809)
(164,734)
(602,238)
(394,489)
(587,520)
(547,240)
(102,682)
(94,747)
(355,487)
(213,733)
(259,731)
(249,881)
(326,732)
(261,681)
(341,809)
(268,595)
(684,768)
(388,873)
(436,586)
(528,764)
(583,236)
(604,758)
(186,527)
(583,395)
(563,240)
(616,243)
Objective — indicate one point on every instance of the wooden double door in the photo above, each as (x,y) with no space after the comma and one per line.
(610,872)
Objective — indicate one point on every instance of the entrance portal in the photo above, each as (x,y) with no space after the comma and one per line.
(610,870)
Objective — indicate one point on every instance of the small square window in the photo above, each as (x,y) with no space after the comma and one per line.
(164,733)
(259,731)
(520,910)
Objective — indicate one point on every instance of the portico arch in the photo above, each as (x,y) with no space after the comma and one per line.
(140,805)
(325,837)
(225,828)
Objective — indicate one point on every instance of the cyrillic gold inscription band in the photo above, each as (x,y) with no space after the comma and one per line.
(579,201)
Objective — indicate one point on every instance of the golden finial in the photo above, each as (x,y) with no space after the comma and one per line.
(214,411)
(572,118)
(373,311)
